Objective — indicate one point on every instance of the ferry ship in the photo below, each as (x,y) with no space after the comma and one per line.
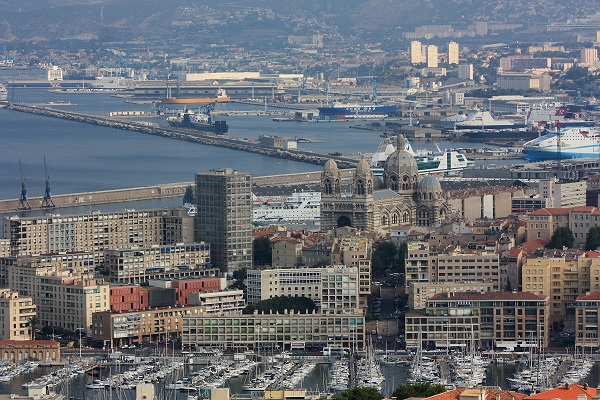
(300,206)
(221,97)
(201,121)
(574,143)
(478,120)
(347,110)
(446,162)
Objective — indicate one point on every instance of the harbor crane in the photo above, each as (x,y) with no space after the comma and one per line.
(23,201)
(47,200)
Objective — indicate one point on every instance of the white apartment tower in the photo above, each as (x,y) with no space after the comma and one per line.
(416,52)
(588,57)
(432,56)
(453,53)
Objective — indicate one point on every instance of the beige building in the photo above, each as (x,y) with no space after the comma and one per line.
(15,313)
(63,298)
(562,279)
(561,194)
(453,53)
(18,350)
(417,262)
(542,223)
(353,250)
(221,301)
(92,232)
(286,252)
(523,81)
(508,320)
(587,330)
(416,52)
(419,292)
(286,331)
(432,56)
(152,324)
(138,265)
(588,57)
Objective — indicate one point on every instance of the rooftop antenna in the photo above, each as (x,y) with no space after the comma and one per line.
(47,200)
(23,202)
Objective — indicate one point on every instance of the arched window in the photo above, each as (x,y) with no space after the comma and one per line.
(360,187)
(430,196)
(395,219)
(384,220)
(405,218)
(393,183)
(328,189)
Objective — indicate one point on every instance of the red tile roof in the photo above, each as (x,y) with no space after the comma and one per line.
(592,296)
(490,394)
(563,393)
(583,209)
(592,254)
(533,245)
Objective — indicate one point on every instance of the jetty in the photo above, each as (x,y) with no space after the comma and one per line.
(190,135)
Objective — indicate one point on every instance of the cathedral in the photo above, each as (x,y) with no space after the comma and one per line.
(399,197)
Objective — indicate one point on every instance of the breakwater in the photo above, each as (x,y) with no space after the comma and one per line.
(190,135)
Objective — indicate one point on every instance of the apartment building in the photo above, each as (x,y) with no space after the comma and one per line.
(331,288)
(417,262)
(508,320)
(416,52)
(139,265)
(562,279)
(224,217)
(432,56)
(453,53)
(586,320)
(63,298)
(562,194)
(152,324)
(15,313)
(219,302)
(542,223)
(355,251)
(288,331)
(92,233)
(419,292)
(286,252)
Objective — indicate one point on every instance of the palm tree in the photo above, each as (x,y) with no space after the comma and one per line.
(33,322)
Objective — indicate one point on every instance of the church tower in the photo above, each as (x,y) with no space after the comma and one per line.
(401,173)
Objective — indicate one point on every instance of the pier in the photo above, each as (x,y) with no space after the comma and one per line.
(190,135)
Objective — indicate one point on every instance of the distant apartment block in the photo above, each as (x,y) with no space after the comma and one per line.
(432,56)
(453,53)
(562,194)
(523,81)
(416,52)
(465,71)
(15,314)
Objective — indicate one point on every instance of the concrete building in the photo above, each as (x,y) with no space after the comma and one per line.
(542,223)
(138,265)
(465,71)
(432,56)
(562,279)
(19,350)
(453,53)
(491,320)
(527,204)
(416,52)
(219,302)
(92,232)
(152,324)
(224,217)
(15,313)
(339,289)
(127,297)
(588,57)
(63,299)
(355,251)
(523,81)
(417,263)
(286,252)
(419,292)
(288,331)
(587,331)
(561,194)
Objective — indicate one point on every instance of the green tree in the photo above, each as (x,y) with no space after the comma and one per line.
(562,237)
(360,393)
(384,257)
(33,322)
(402,254)
(262,251)
(239,277)
(281,303)
(423,389)
(592,242)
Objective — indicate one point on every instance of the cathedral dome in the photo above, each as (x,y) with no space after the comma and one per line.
(331,166)
(429,183)
(363,168)
(401,161)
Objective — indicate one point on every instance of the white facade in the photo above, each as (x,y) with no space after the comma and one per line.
(416,52)
(563,194)
(432,56)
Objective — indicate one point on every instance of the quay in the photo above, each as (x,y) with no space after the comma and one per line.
(190,135)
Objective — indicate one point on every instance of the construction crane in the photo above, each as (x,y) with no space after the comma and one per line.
(23,201)
(47,200)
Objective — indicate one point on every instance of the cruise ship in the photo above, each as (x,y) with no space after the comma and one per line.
(443,163)
(300,206)
(574,143)
(348,110)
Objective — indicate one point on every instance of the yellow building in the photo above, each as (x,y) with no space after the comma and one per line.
(419,292)
(286,252)
(15,314)
(63,298)
(587,330)
(355,251)
(563,279)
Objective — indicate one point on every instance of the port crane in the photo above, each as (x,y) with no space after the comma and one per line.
(47,200)
(23,201)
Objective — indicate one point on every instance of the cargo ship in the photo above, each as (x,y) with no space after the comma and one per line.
(221,97)
(202,122)
(347,110)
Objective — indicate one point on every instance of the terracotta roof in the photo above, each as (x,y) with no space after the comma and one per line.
(515,251)
(490,394)
(533,245)
(563,393)
(592,296)
(559,211)
(28,342)
(488,296)
(583,209)
(592,254)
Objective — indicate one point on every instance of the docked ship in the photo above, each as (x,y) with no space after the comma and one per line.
(478,120)
(3,93)
(300,206)
(221,97)
(201,121)
(443,163)
(574,143)
(347,110)
(568,116)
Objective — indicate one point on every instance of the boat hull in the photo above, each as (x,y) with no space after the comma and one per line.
(552,154)
(498,135)
(359,110)
(194,100)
